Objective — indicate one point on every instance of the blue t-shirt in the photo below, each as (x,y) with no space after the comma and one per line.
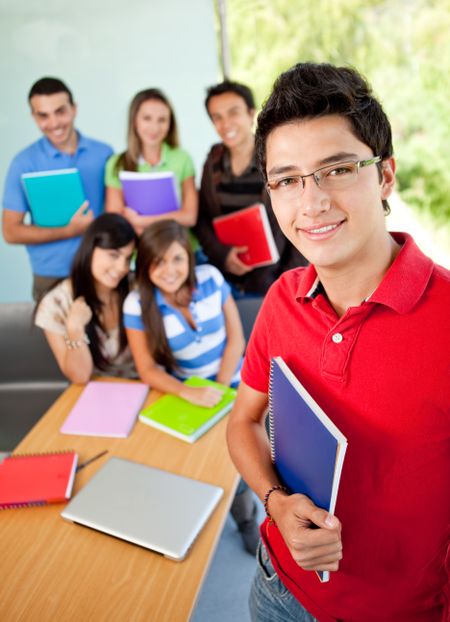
(198,352)
(55,258)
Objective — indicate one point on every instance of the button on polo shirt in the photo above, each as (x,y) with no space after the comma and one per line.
(339,340)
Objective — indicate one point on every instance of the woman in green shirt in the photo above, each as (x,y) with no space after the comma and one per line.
(152,146)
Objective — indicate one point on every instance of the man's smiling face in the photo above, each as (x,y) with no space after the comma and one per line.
(55,117)
(332,229)
(232,118)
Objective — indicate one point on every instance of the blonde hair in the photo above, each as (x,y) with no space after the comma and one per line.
(128,160)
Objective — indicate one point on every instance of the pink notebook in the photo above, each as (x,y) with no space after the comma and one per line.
(106,409)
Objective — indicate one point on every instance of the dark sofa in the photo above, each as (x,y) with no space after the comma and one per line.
(30,379)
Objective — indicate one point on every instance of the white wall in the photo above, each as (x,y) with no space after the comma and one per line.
(106,51)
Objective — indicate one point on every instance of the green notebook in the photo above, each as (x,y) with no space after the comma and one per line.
(184,420)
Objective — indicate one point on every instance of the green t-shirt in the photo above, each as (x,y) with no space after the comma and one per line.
(172,159)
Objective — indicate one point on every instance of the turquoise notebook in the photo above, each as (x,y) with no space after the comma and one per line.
(53,196)
(184,420)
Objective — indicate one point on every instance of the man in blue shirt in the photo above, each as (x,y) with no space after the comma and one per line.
(51,249)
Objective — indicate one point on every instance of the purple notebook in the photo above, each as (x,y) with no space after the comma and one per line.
(150,194)
(106,409)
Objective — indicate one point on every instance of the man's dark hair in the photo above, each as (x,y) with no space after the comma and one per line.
(310,90)
(49,86)
(227,86)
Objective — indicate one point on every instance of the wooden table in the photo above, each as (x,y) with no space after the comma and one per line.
(53,570)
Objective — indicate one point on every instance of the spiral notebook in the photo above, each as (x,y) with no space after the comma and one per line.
(307,449)
(37,479)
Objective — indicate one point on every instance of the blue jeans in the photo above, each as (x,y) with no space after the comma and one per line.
(269,600)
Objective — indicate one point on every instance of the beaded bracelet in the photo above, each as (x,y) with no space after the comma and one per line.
(266,499)
(74,344)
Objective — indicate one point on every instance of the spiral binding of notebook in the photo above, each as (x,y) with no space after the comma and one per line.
(307,447)
(39,454)
(17,506)
(271,418)
(30,480)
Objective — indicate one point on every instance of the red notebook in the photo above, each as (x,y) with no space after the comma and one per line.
(37,479)
(249,227)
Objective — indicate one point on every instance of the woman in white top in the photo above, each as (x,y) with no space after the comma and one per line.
(82,315)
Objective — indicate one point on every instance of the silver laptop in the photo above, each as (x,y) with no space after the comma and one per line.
(156,509)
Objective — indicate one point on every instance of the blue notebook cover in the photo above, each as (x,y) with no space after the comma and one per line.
(307,448)
(149,194)
(54,196)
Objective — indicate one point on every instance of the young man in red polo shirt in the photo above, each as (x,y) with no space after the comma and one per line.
(366,328)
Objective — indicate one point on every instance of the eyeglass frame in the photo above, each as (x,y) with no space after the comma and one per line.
(359,164)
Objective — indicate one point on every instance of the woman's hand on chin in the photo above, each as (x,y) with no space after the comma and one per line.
(79,315)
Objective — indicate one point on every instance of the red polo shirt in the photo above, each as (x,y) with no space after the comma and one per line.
(384,381)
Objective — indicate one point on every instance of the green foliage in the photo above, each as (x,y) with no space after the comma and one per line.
(401,46)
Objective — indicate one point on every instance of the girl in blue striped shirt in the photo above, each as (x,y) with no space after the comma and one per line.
(182,320)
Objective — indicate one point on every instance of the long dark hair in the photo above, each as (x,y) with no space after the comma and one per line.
(109,231)
(128,160)
(152,246)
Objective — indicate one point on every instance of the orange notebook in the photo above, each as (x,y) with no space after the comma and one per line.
(249,227)
(37,479)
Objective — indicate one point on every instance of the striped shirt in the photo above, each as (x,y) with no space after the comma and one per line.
(198,351)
